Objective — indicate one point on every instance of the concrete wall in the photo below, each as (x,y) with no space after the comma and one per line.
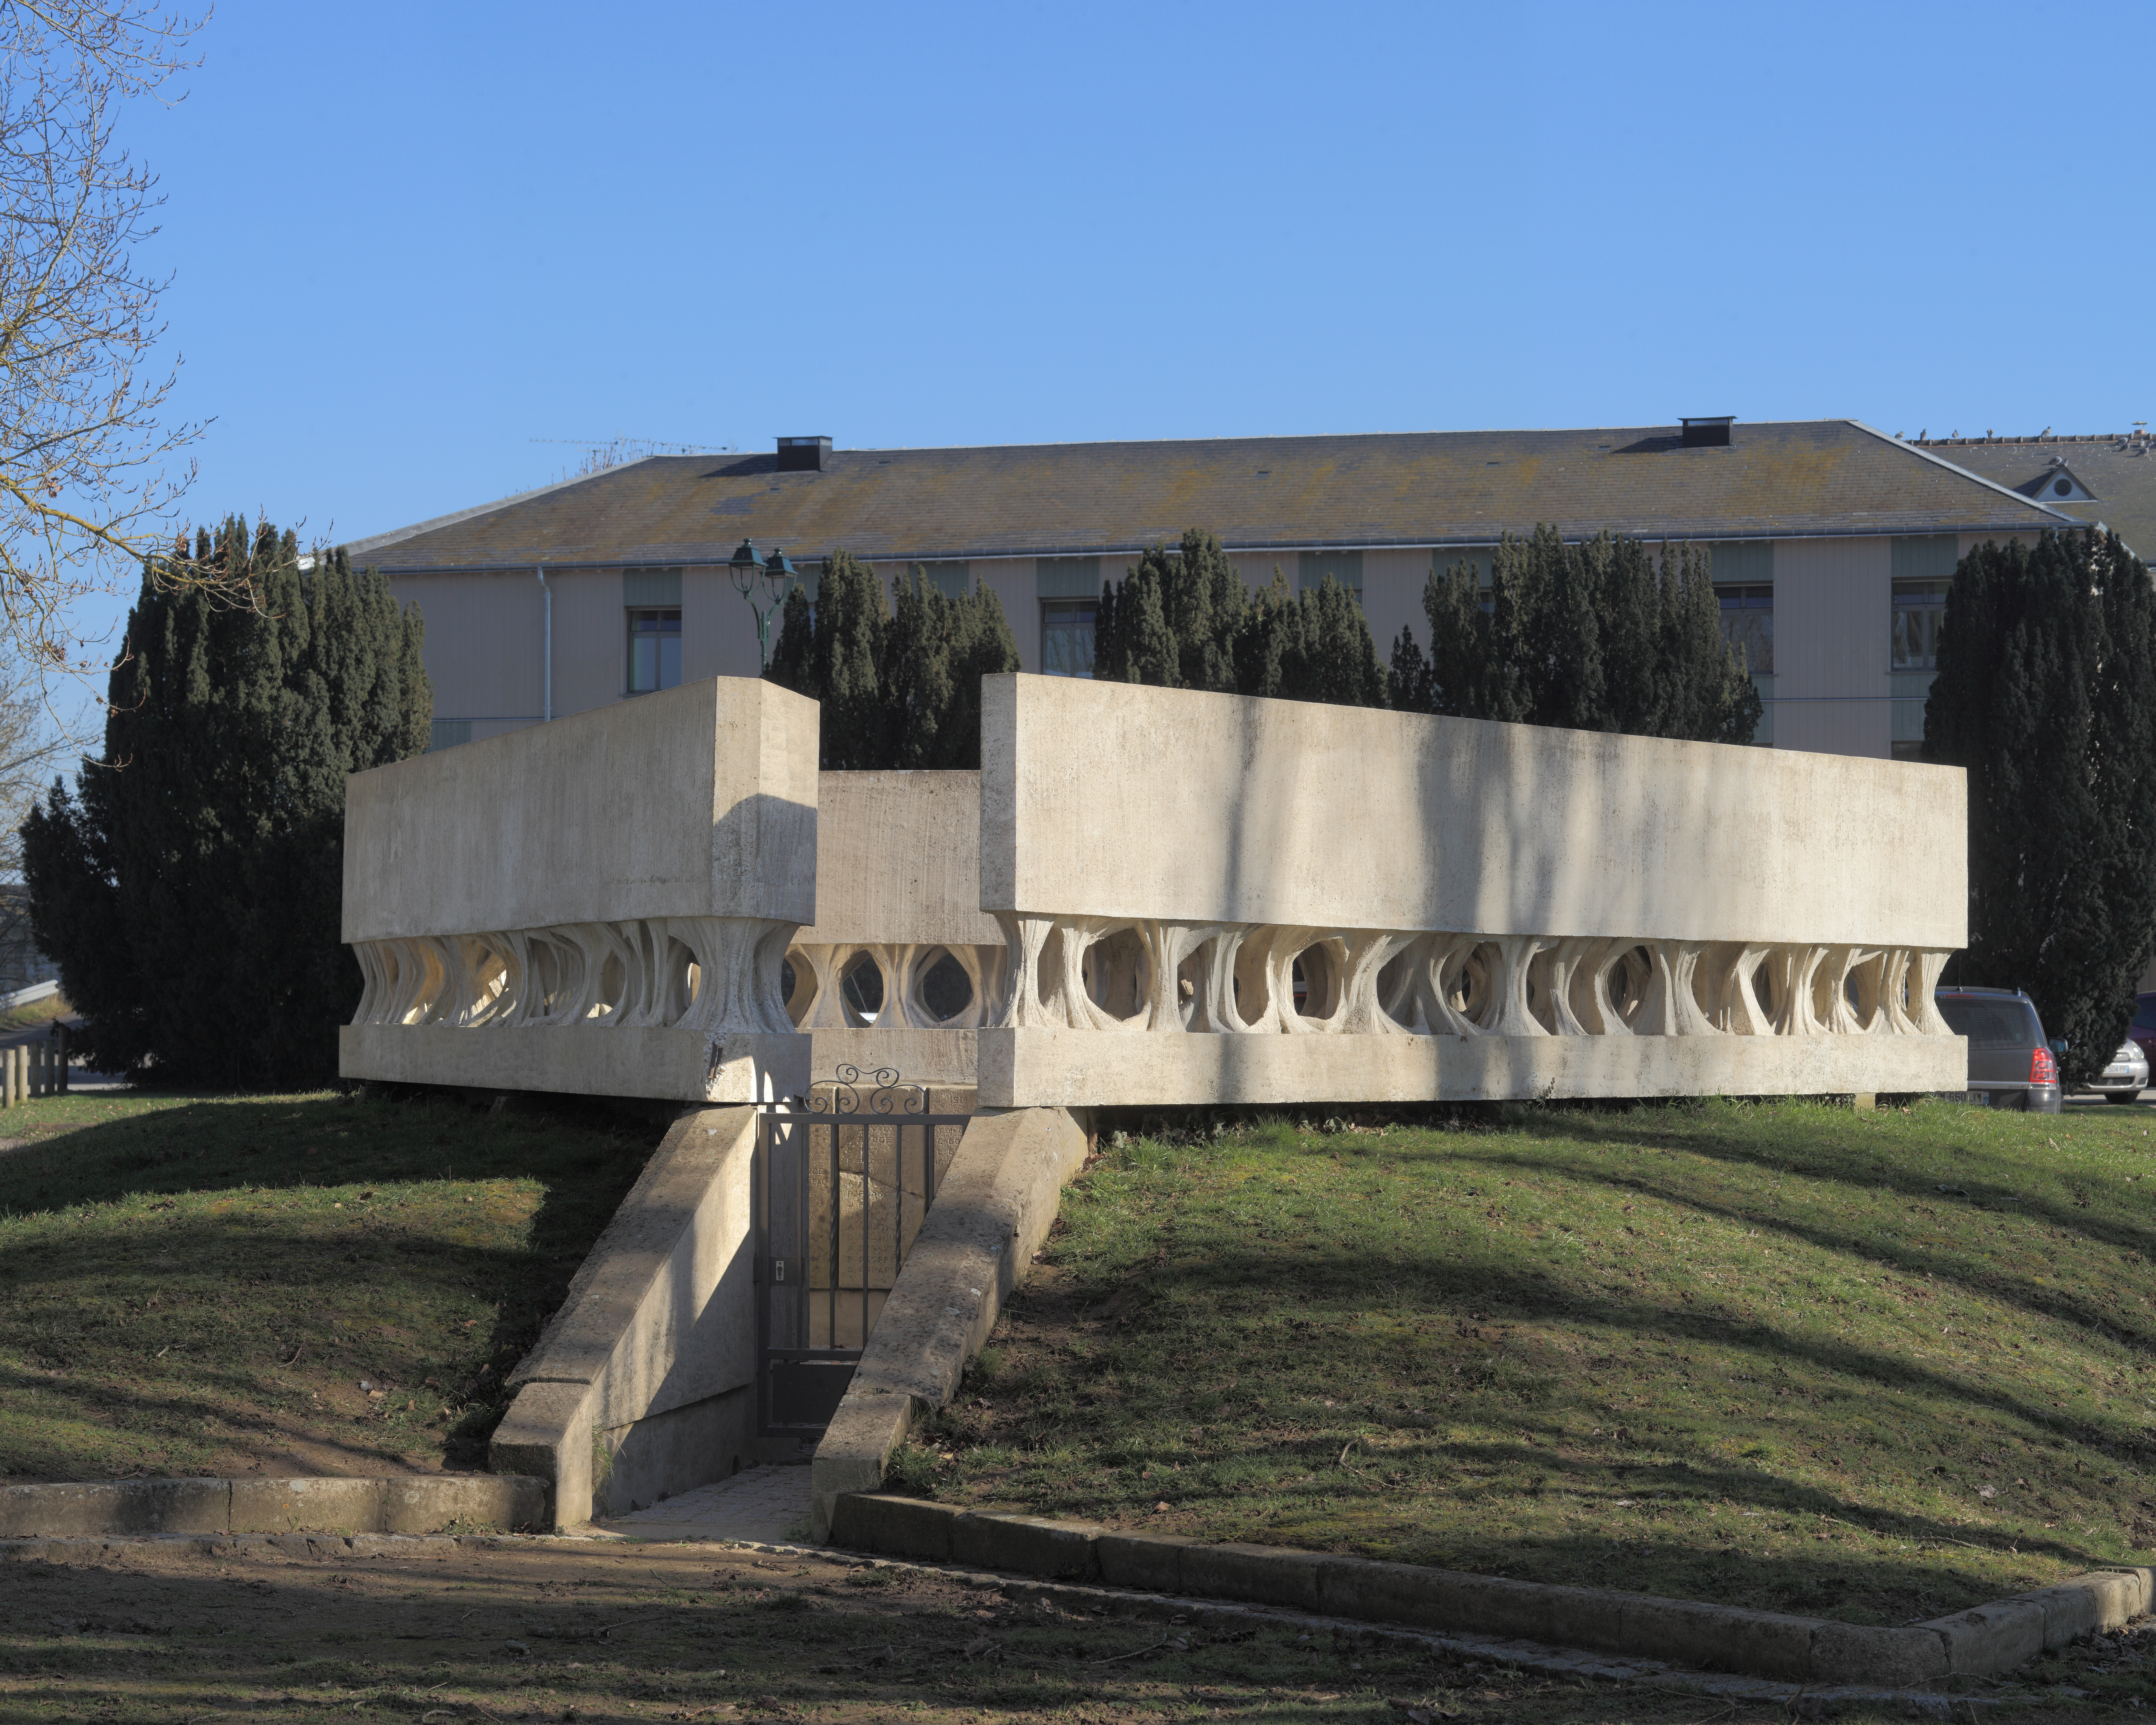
(599,906)
(1294,902)
(1119,801)
(898,877)
(697,801)
(898,859)
(643,1385)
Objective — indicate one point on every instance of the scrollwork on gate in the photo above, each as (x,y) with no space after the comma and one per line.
(882,1091)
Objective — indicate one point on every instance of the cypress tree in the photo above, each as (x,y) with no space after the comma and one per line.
(1460,653)
(1631,628)
(832,652)
(898,688)
(1180,617)
(192,887)
(1591,636)
(1327,653)
(792,654)
(2045,693)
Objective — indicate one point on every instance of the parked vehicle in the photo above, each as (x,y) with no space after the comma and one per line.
(2010,1065)
(2124,1080)
(2141,1032)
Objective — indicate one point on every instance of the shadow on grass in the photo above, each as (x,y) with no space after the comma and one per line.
(205,1262)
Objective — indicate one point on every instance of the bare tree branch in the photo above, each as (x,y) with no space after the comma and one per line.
(89,472)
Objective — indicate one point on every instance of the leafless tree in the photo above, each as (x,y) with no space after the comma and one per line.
(87,467)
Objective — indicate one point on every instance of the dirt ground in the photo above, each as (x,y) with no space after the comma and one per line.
(552,1630)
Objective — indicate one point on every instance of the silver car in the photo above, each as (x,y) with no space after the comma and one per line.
(2124,1080)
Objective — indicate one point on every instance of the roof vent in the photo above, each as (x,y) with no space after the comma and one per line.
(813,454)
(1711,432)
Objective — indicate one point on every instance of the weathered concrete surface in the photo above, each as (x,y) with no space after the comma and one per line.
(993,1209)
(898,861)
(1809,1650)
(695,802)
(667,1063)
(1040,1068)
(416,1503)
(934,1057)
(659,1321)
(1113,799)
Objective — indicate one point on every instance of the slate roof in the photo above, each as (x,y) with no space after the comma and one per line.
(1789,480)
(2119,468)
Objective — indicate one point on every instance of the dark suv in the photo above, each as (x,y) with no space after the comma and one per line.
(2010,1065)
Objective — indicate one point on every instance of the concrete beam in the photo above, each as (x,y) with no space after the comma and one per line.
(643,1385)
(993,1209)
(1046,1069)
(1115,800)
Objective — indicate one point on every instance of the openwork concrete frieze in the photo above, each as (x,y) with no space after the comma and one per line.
(912,986)
(1099,973)
(718,975)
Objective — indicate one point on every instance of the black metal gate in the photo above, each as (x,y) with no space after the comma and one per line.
(840,1189)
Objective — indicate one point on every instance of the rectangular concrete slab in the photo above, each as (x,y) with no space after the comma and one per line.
(1986,1640)
(74,1512)
(1115,800)
(1718,1638)
(1032,1545)
(667,1063)
(1896,1658)
(1150,1561)
(1044,1068)
(898,861)
(695,802)
(427,1503)
(894,1527)
(310,1505)
(1269,1574)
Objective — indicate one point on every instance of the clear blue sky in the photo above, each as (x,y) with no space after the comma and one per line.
(409,239)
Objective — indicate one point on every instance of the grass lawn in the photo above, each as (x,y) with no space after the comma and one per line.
(200,1284)
(37,1013)
(1873,1366)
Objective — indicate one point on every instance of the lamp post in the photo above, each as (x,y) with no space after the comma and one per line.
(774,574)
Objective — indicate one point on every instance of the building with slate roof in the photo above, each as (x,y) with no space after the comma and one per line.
(2105,479)
(1831,545)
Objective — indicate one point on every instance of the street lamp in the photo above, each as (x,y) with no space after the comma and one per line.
(774,574)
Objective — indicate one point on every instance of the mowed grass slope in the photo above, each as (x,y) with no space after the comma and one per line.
(193,1285)
(1870,1365)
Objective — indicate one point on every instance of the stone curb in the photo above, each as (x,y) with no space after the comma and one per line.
(1982,1642)
(402,1504)
(1204,1614)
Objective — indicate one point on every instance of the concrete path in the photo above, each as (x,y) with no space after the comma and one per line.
(768,1505)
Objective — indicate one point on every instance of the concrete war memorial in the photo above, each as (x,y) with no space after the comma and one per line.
(1146,898)
(1149,897)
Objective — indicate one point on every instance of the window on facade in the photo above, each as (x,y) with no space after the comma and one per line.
(1344,566)
(1747,621)
(654,650)
(1919,607)
(1067,637)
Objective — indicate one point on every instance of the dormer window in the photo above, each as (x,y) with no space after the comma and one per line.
(2057,483)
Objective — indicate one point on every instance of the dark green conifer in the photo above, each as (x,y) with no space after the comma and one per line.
(2046,694)
(1590,636)
(191,889)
